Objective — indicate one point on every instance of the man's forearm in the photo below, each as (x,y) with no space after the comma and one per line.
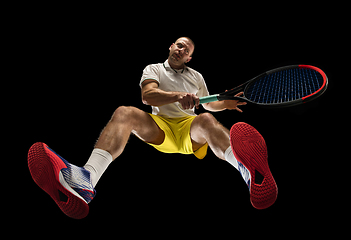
(223,105)
(214,106)
(158,97)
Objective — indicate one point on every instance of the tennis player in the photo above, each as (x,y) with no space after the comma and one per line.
(172,89)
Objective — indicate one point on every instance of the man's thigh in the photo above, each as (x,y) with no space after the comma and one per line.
(196,133)
(145,127)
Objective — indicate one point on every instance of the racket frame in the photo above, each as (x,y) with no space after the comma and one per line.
(229,95)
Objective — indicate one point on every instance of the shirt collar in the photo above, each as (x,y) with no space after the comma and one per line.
(168,67)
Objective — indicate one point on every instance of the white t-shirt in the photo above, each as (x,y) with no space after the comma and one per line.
(169,79)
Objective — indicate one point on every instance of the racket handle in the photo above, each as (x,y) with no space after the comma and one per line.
(207,99)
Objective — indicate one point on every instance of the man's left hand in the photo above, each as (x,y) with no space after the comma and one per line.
(233,104)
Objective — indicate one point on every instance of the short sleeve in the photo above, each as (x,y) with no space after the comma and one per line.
(203,92)
(150,72)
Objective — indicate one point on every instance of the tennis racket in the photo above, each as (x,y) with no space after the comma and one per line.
(280,87)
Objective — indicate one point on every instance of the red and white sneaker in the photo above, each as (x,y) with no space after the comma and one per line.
(250,150)
(68,185)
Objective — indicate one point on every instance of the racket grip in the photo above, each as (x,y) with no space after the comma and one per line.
(207,99)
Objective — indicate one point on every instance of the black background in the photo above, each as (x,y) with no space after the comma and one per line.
(78,65)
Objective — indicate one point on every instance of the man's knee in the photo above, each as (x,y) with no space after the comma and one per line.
(207,119)
(123,113)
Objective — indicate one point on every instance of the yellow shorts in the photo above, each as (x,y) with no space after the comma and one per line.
(177,136)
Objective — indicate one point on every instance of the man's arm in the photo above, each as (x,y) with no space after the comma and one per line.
(152,95)
(223,105)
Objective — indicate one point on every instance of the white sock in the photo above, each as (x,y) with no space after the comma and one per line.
(229,156)
(97,164)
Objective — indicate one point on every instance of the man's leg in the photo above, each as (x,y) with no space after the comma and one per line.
(205,128)
(72,187)
(125,120)
(114,137)
(250,148)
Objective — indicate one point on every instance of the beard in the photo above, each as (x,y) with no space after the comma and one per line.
(175,57)
(178,61)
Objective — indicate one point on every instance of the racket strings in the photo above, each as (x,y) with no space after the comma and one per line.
(284,86)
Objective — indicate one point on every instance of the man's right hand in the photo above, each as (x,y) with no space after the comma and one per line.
(188,100)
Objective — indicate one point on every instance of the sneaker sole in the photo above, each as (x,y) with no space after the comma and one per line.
(45,168)
(249,147)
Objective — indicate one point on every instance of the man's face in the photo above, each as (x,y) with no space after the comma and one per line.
(180,52)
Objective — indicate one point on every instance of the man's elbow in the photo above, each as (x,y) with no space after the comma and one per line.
(145,99)
(145,102)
